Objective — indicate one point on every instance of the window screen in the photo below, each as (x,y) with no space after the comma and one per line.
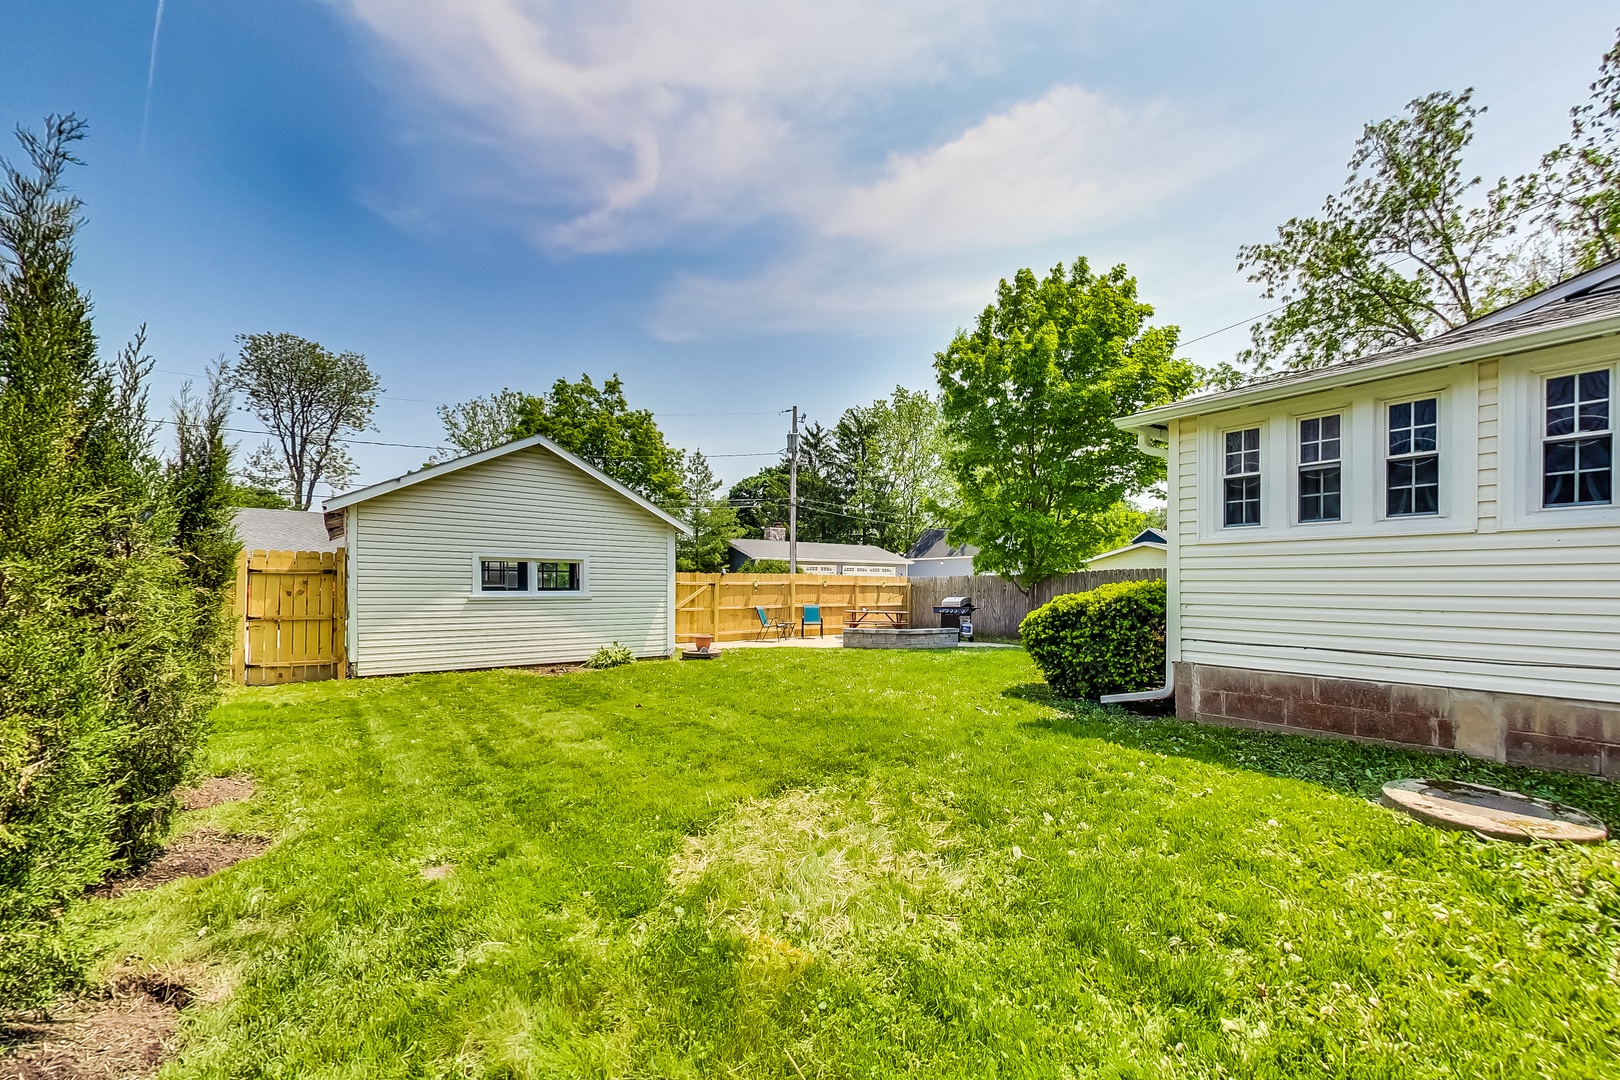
(1413,465)
(559,577)
(1319,468)
(1577,452)
(503,575)
(1242,492)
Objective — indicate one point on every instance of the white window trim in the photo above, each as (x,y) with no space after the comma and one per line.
(533,592)
(1522,392)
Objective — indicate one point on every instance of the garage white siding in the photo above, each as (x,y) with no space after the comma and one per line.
(412,552)
(1494,594)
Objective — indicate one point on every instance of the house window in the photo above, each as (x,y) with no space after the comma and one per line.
(1242,494)
(1414,458)
(1577,451)
(559,577)
(503,575)
(1319,468)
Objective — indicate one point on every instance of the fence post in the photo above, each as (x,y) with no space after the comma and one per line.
(239,620)
(340,614)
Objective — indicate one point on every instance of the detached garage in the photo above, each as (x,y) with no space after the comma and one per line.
(522,554)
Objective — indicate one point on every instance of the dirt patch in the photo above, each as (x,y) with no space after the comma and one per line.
(126,1032)
(550,669)
(196,854)
(217,791)
(437,873)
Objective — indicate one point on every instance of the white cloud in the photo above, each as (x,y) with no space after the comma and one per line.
(626,124)
(1049,167)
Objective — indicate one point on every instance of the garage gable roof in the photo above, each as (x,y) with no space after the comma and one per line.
(434,472)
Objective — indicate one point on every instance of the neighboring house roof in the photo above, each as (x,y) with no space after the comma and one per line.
(932,544)
(813,552)
(283,530)
(434,472)
(1585,307)
(1147,538)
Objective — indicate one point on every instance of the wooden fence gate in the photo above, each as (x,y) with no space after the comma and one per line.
(288,610)
(723,604)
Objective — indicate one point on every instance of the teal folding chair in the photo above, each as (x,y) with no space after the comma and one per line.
(812,617)
(766,626)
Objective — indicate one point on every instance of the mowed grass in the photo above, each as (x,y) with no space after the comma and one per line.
(848,864)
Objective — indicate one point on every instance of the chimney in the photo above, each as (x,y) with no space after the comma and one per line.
(776,532)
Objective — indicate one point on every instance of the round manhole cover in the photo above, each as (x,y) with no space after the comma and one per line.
(1504,815)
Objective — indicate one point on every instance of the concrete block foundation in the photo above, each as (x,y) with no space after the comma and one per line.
(1519,729)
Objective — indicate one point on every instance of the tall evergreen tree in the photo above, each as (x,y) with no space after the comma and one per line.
(109,649)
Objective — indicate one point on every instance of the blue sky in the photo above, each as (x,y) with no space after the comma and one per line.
(736,206)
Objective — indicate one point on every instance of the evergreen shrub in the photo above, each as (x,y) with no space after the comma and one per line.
(1110,640)
(113,575)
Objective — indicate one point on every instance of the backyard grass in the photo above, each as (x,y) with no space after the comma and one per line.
(818,863)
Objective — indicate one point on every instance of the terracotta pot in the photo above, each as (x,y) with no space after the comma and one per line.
(701,642)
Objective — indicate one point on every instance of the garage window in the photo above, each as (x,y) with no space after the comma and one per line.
(503,575)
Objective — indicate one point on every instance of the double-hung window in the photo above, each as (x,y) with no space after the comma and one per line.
(1413,464)
(1242,487)
(503,575)
(1320,468)
(1577,450)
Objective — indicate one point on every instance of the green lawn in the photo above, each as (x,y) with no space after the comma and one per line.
(826,863)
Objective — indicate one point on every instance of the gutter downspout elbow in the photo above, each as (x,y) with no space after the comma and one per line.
(1163,693)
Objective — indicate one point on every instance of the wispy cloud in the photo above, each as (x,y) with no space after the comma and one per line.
(151,74)
(641,122)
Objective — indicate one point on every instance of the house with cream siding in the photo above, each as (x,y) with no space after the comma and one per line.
(1146,551)
(1418,547)
(522,554)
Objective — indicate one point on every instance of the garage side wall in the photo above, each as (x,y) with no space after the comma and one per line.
(412,554)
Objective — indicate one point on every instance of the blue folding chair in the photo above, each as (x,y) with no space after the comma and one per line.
(766,626)
(812,617)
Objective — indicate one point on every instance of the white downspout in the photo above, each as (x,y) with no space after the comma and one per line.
(1148,440)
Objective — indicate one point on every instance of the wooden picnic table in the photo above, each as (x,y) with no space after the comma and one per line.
(893,617)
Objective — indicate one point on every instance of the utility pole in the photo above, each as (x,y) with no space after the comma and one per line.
(793,494)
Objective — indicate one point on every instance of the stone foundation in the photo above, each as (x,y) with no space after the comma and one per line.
(880,637)
(1520,729)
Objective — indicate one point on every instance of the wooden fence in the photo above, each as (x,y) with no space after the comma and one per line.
(723,604)
(288,607)
(999,605)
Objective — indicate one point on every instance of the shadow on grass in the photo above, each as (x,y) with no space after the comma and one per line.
(1350,768)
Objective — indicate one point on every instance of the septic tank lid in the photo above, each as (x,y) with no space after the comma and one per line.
(1503,815)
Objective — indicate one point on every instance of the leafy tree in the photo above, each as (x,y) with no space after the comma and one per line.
(909,444)
(862,487)
(763,566)
(1029,397)
(598,425)
(308,397)
(257,496)
(109,635)
(482,423)
(713,522)
(1409,247)
(761,500)
(1579,183)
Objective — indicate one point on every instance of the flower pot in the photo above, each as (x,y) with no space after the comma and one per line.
(701,642)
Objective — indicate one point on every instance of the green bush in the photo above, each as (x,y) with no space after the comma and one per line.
(1106,641)
(614,655)
(763,566)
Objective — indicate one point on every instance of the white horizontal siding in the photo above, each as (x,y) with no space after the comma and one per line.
(1477,606)
(412,552)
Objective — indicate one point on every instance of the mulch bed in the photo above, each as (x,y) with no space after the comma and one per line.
(124,1033)
(217,791)
(196,854)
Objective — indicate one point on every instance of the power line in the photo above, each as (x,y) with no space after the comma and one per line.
(352,442)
